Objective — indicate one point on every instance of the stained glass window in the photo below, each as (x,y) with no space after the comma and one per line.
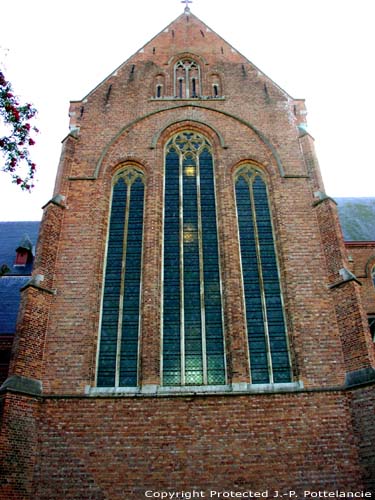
(193,344)
(268,349)
(119,335)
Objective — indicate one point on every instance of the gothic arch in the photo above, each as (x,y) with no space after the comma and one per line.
(131,124)
(158,134)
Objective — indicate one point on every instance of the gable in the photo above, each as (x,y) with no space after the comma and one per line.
(188,35)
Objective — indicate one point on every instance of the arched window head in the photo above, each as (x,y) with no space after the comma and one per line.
(268,348)
(192,321)
(216,86)
(159,83)
(120,319)
(187,79)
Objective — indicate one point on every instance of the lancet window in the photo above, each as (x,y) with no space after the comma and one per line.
(192,318)
(120,319)
(267,340)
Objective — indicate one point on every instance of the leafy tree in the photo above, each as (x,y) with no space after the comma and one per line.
(15,143)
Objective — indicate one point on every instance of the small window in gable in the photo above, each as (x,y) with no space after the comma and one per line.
(187,79)
(159,89)
(371,324)
(216,86)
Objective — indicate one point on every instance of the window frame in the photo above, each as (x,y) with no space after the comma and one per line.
(253,166)
(115,178)
(202,310)
(184,90)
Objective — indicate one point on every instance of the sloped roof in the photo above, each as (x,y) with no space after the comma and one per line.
(9,302)
(12,236)
(357,217)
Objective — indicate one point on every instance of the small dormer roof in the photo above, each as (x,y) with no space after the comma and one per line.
(25,244)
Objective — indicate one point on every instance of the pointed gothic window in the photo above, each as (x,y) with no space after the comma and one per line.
(192,330)
(187,79)
(268,349)
(120,321)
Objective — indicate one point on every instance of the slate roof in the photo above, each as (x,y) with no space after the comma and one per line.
(357,217)
(13,235)
(9,302)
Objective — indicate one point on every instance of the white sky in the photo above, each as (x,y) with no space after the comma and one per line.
(320,50)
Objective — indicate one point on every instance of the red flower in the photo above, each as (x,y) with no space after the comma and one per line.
(9,94)
(19,180)
(31,142)
(33,166)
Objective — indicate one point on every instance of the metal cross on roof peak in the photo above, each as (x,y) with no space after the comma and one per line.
(186,2)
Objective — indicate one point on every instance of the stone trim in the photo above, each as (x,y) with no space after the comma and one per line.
(25,385)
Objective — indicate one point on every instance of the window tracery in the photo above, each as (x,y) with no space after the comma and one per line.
(120,320)
(192,330)
(268,348)
(187,79)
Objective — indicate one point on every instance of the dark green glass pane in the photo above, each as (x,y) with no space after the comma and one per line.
(171,266)
(212,297)
(132,284)
(112,283)
(275,317)
(253,300)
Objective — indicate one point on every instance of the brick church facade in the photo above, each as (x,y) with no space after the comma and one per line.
(193,321)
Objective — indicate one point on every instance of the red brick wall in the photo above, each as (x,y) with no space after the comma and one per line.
(363,260)
(363,408)
(119,448)
(18,446)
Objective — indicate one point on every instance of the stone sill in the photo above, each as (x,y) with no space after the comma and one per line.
(207,390)
(194,99)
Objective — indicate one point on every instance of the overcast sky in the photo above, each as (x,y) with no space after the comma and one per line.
(319,50)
